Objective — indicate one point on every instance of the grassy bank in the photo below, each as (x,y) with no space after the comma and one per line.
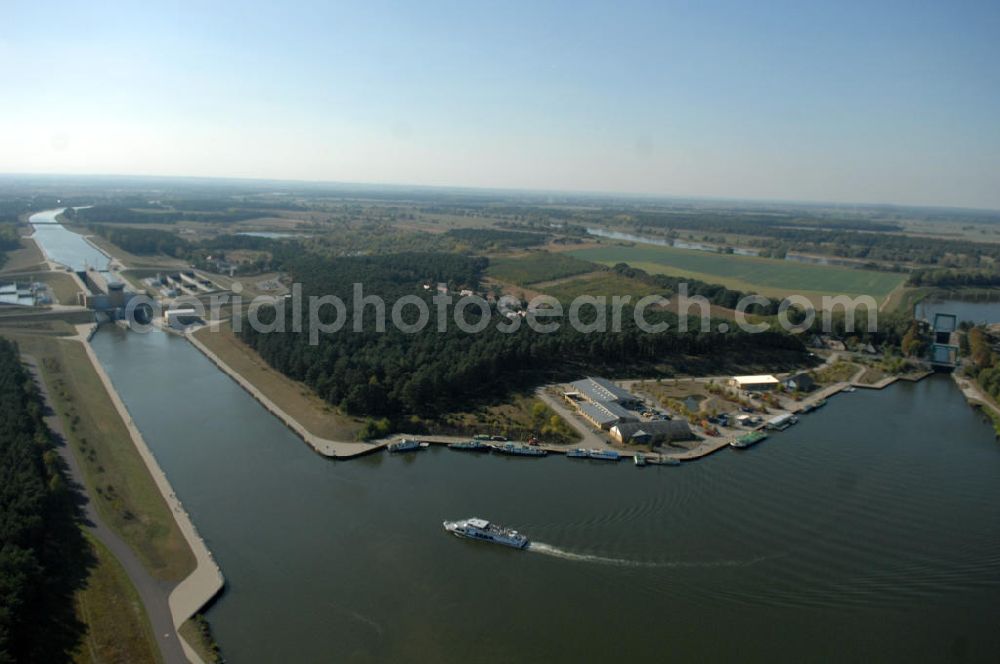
(27,258)
(296,399)
(198,634)
(117,627)
(116,476)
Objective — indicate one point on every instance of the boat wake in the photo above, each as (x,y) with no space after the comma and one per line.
(556,552)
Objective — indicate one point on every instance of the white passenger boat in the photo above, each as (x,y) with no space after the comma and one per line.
(481,529)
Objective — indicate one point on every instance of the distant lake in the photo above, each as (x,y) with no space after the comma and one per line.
(982,311)
(273,235)
(665,242)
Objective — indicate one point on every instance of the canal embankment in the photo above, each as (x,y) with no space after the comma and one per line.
(206,581)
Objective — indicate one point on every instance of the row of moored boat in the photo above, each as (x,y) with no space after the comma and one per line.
(518,449)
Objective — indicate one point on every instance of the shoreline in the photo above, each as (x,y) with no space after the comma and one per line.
(206,581)
(334,449)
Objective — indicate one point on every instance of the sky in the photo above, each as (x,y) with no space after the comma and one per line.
(874,102)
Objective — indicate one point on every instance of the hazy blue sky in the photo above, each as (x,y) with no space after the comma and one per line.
(838,101)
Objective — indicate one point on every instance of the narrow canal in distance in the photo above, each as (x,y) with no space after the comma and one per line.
(870,531)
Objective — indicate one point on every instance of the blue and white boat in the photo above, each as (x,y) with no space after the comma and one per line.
(483,530)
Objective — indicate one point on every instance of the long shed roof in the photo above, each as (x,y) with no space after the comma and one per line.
(602,390)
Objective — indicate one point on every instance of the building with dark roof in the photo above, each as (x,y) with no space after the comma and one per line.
(801,382)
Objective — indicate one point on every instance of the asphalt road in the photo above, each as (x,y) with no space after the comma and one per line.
(152,592)
(589,437)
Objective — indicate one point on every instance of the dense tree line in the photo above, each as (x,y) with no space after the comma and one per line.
(43,555)
(227,204)
(143,241)
(117,214)
(714,293)
(149,241)
(393,374)
(9,240)
(984,364)
(493,238)
(955,278)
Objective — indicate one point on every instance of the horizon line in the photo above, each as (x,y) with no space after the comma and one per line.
(509,190)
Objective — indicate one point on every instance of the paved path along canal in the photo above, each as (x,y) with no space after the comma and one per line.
(153,593)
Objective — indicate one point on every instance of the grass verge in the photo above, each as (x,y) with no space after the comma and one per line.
(295,398)
(115,474)
(117,627)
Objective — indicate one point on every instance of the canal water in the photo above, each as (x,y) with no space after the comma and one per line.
(870,531)
(64,246)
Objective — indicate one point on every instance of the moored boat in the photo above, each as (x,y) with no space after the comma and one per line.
(470,446)
(406,445)
(514,449)
(639,459)
(578,453)
(603,455)
(781,422)
(749,439)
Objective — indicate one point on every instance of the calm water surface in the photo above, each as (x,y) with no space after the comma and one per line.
(868,532)
(65,246)
(966,310)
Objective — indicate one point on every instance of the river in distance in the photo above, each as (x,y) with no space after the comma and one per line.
(870,531)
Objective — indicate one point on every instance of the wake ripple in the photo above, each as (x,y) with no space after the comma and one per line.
(556,552)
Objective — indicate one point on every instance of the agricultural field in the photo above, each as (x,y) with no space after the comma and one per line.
(537,267)
(599,283)
(771,277)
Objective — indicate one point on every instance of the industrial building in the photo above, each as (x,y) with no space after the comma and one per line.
(602,390)
(760,383)
(605,415)
(651,433)
(602,403)
(180,318)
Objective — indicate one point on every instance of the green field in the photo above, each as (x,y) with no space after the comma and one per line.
(771,277)
(603,283)
(537,267)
